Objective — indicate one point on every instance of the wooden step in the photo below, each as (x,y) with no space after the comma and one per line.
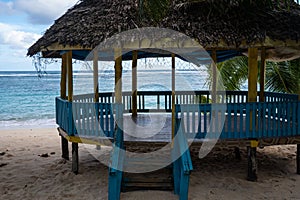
(157,180)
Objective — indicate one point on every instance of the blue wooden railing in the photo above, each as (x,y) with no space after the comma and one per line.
(277,116)
(161,101)
(88,119)
(182,165)
(241,120)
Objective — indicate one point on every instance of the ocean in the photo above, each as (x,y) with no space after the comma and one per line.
(29,101)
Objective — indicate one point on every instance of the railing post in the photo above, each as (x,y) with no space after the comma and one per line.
(63,95)
(134,83)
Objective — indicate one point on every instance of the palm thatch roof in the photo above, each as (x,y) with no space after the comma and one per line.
(236,24)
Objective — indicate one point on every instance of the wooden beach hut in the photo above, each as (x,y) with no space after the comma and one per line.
(261,30)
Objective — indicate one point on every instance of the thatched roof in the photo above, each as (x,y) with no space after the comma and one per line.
(234,25)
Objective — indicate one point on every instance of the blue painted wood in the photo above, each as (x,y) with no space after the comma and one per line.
(176,177)
(274,119)
(247,120)
(182,167)
(184,186)
(235,119)
(294,131)
(288,118)
(298,118)
(117,158)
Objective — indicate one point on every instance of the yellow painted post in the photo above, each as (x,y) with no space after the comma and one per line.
(214,76)
(70,75)
(96,76)
(70,99)
(96,85)
(252,97)
(252,74)
(63,82)
(63,95)
(118,75)
(173,96)
(134,83)
(119,137)
(262,75)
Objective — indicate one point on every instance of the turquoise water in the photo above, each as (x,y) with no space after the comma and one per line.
(27,100)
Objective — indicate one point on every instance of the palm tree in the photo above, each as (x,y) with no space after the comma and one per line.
(280,76)
(283,76)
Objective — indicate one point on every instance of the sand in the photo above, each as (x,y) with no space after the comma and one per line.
(26,174)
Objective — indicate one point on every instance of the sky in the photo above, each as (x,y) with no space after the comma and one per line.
(22,22)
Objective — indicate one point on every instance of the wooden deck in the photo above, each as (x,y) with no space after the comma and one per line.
(275,121)
(154,130)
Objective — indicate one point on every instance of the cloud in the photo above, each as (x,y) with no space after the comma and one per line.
(6,8)
(43,11)
(15,38)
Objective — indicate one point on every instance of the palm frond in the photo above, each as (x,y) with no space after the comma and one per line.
(234,72)
(282,77)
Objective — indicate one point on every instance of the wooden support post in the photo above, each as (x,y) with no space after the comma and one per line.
(118,76)
(252,97)
(252,79)
(70,75)
(75,159)
(252,74)
(96,76)
(63,95)
(262,75)
(214,76)
(237,153)
(134,83)
(252,163)
(173,95)
(63,82)
(119,139)
(298,159)
(96,84)
(70,99)
(64,148)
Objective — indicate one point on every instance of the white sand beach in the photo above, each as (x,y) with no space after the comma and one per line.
(25,174)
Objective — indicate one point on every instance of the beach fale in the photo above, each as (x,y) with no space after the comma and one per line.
(130,30)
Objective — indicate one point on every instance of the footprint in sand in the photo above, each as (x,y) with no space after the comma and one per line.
(3,164)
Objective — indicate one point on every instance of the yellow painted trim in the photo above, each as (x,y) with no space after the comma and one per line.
(59,47)
(254,143)
(63,81)
(70,75)
(118,75)
(146,43)
(82,140)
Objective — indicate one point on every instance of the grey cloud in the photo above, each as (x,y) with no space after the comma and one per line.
(43,12)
